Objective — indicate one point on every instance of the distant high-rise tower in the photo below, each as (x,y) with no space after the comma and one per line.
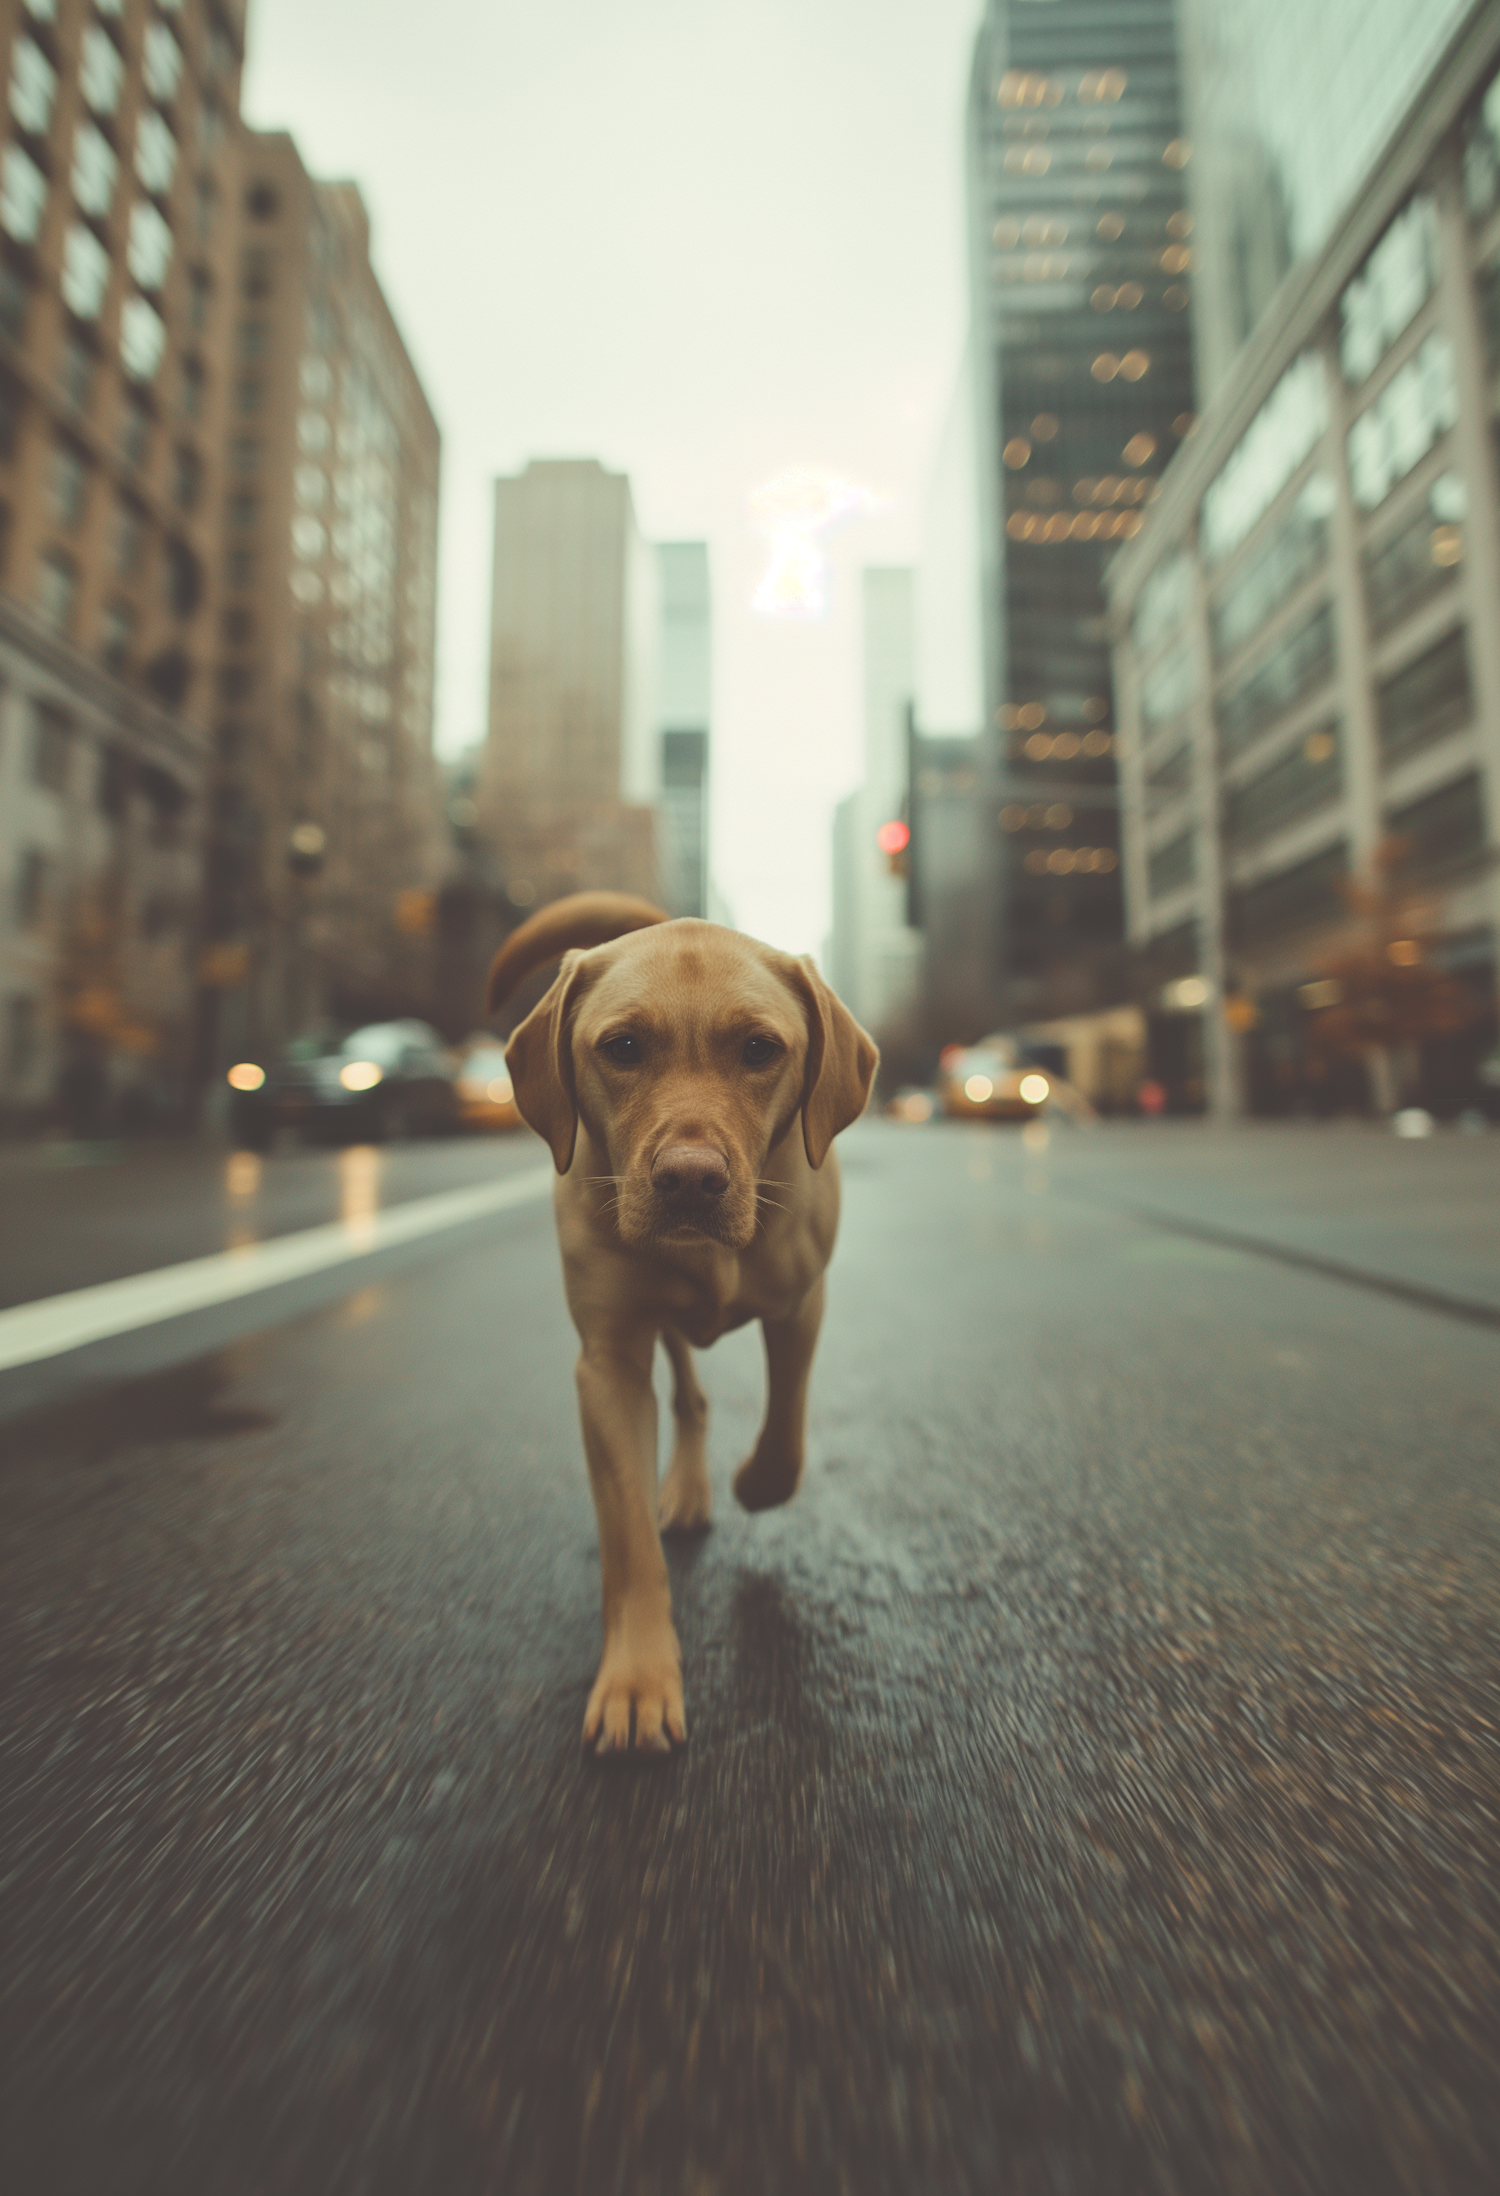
(327,833)
(570,777)
(684,706)
(1080,260)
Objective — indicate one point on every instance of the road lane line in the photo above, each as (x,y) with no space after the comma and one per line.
(57,1323)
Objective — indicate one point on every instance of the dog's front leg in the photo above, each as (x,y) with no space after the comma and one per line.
(640,1674)
(772,1471)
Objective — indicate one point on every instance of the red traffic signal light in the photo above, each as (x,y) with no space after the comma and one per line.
(893,837)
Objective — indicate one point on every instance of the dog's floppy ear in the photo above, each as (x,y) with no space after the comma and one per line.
(841,1064)
(540,1059)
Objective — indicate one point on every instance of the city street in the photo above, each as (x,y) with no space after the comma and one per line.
(1093,1777)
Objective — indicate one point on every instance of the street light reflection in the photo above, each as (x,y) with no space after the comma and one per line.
(359,1192)
(241,1186)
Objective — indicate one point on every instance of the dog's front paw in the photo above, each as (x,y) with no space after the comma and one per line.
(636,1704)
(684,1502)
(767,1477)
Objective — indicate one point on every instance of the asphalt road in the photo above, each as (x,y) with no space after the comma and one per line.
(1093,1782)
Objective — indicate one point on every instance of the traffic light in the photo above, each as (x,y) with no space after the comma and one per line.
(893,840)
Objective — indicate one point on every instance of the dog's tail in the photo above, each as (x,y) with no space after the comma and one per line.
(582,919)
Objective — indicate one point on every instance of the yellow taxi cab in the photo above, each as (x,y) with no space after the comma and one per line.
(986,1082)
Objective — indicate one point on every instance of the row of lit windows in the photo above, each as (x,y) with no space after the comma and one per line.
(1044,267)
(1029,88)
(1046,229)
(1037,159)
(1064,746)
(1060,861)
(1080,526)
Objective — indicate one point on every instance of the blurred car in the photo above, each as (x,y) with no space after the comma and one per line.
(377,1085)
(486,1098)
(987,1082)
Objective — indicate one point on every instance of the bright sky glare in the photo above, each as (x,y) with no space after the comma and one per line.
(705,243)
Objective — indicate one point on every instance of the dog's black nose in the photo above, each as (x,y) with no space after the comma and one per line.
(690,1171)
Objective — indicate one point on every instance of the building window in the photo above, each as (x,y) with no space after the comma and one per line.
(236,682)
(204,197)
(1277,569)
(135,430)
(187,477)
(51,746)
(312,485)
(15,301)
(1171,865)
(85,272)
(94,170)
(23,195)
(1296,899)
(12,406)
(261,202)
(150,246)
(155,154)
(33,85)
(1169,773)
(1444,827)
(239,569)
(183,582)
(1300,661)
(255,274)
(1421,558)
(252,340)
(142,338)
(241,512)
(101,72)
(116,631)
(1393,434)
(1307,777)
(129,539)
(247,397)
(1426,698)
(210,130)
(1389,290)
(245,455)
(56,588)
(200,293)
(162,62)
(238,628)
(69,484)
(192,389)
(32,881)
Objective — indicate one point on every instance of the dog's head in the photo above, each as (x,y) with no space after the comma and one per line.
(688,1052)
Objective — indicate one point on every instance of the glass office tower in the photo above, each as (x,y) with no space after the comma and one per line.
(1082,269)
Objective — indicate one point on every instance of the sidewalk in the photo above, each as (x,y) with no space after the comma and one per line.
(1421,1216)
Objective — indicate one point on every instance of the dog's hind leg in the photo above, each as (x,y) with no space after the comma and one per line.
(773,1470)
(684,1498)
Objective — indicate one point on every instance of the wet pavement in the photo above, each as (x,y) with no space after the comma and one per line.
(1093,1782)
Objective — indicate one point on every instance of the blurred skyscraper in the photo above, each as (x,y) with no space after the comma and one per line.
(684,711)
(117,200)
(1084,390)
(1308,659)
(327,837)
(572,767)
(873,951)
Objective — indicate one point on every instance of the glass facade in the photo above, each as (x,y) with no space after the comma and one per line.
(1321,593)
(1288,106)
(1084,261)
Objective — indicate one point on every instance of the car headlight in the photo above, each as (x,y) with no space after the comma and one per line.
(978,1088)
(245,1075)
(1034,1088)
(361,1075)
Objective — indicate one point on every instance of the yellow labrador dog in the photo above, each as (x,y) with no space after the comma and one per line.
(690,1083)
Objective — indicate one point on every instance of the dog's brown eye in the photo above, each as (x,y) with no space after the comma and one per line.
(759,1051)
(624,1051)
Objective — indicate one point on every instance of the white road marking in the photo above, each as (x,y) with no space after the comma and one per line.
(66,1322)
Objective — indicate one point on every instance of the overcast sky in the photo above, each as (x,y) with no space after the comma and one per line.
(700,241)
